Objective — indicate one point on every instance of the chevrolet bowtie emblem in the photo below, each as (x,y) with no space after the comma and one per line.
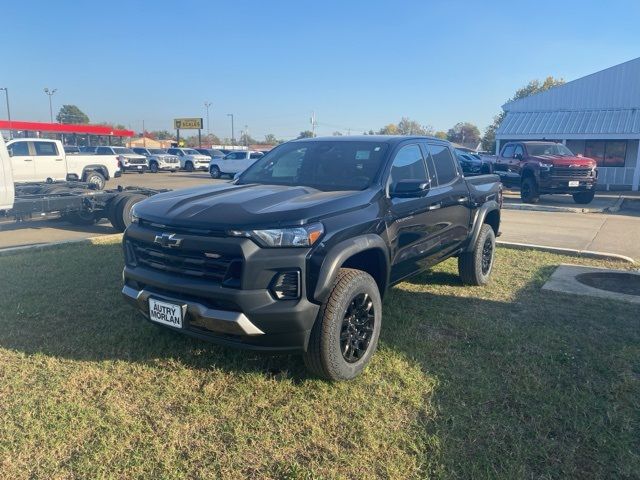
(168,240)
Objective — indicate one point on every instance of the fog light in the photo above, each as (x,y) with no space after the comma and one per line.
(286,285)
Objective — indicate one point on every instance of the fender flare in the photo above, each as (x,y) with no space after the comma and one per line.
(481,214)
(339,253)
(99,168)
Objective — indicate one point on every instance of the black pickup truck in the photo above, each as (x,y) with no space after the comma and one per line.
(297,252)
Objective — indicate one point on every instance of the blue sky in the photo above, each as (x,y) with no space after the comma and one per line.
(358,64)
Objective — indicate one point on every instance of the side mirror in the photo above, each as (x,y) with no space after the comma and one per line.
(518,156)
(409,189)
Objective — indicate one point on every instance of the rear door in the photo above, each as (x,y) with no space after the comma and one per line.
(49,161)
(22,161)
(450,215)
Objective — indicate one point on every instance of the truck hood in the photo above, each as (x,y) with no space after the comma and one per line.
(565,161)
(225,206)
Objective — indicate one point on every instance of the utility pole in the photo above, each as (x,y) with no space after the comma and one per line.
(50,94)
(233,140)
(246,136)
(313,123)
(6,95)
(207,105)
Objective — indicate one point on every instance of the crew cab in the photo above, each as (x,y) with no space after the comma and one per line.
(159,159)
(40,160)
(129,160)
(297,253)
(191,159)
(544,168)
(232,163)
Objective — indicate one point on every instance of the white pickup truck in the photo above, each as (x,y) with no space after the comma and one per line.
(40,160)
(80,203)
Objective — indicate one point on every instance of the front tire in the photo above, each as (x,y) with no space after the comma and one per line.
(153,167)
(345,334)
(475,267)
(529,191)
(214,171)
(188,166)
(582,198)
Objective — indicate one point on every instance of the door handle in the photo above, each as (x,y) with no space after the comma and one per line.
(28,160)
(434,206)
(461,199)
(58,159)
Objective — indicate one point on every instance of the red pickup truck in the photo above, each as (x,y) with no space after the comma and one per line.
(546,167)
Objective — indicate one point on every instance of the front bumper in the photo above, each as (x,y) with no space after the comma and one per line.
(561,185)
(248,316)
(169,167)
(135,168)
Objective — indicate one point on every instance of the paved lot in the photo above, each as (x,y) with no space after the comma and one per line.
(613,233)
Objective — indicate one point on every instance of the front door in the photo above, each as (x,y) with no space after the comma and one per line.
(22,162)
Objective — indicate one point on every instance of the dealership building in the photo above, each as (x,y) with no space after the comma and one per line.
(597,116)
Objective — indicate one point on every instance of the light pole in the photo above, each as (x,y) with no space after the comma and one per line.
(207,105)
(246,136)
(6,94)
(233,142)
(50,94)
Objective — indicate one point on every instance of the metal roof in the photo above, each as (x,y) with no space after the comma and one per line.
(64,128)
(571,122)
(613,88)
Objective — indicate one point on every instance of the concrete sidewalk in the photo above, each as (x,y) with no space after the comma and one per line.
(619,233)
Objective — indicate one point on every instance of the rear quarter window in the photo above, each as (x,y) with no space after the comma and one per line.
(46,148)
(444,163)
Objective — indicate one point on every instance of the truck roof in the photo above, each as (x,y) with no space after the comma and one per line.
(390,139)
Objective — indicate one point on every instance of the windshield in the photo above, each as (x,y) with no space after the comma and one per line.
(157,151)
(325,165)
(123,150)
(190,151)
(538,149)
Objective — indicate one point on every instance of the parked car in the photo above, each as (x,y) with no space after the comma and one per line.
(546,167)
(211,152)
(472,163)
(129,160)
(191,159)
(232,163)
(159,159)
(297,253)
(39,160)
(70,149)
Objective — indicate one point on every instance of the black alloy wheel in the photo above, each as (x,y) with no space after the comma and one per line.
(357,328)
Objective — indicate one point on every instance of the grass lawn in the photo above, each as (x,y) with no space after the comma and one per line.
(504,381)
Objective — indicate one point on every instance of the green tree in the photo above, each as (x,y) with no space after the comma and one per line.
(306,134)
(391,129)
(71,114)
(271,139)
(247,139)
(531,88)
(440,134)
(464,133)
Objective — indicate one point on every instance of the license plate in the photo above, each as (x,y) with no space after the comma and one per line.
(139,167)
(574,183)
(165,313)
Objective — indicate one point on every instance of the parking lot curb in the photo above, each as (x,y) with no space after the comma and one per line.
(549,208)
(47,246)
(567,251)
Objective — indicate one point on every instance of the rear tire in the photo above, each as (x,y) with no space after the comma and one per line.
(345,334)
(582,198)
(81,218)
(475,267)
(95,178)
(120,211)
(188,166)
(529,190)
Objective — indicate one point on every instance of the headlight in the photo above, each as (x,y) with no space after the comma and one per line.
(134,216)
(546,166)
(304,236)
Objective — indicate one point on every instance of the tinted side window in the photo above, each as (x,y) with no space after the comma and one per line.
(103,151)
(444,163)
(46,148)
(408,165)
(19,149)
(255,155)
(518,150)
(507,152)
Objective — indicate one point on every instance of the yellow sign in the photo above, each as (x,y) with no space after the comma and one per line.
(187,123)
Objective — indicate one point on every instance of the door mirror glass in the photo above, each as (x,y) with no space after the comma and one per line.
(409,188)
(518,156)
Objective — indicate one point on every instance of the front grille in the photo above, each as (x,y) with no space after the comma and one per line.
(571,172)
(136,161)
(221,268)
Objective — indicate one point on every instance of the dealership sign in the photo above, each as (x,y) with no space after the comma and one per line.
(187,123)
